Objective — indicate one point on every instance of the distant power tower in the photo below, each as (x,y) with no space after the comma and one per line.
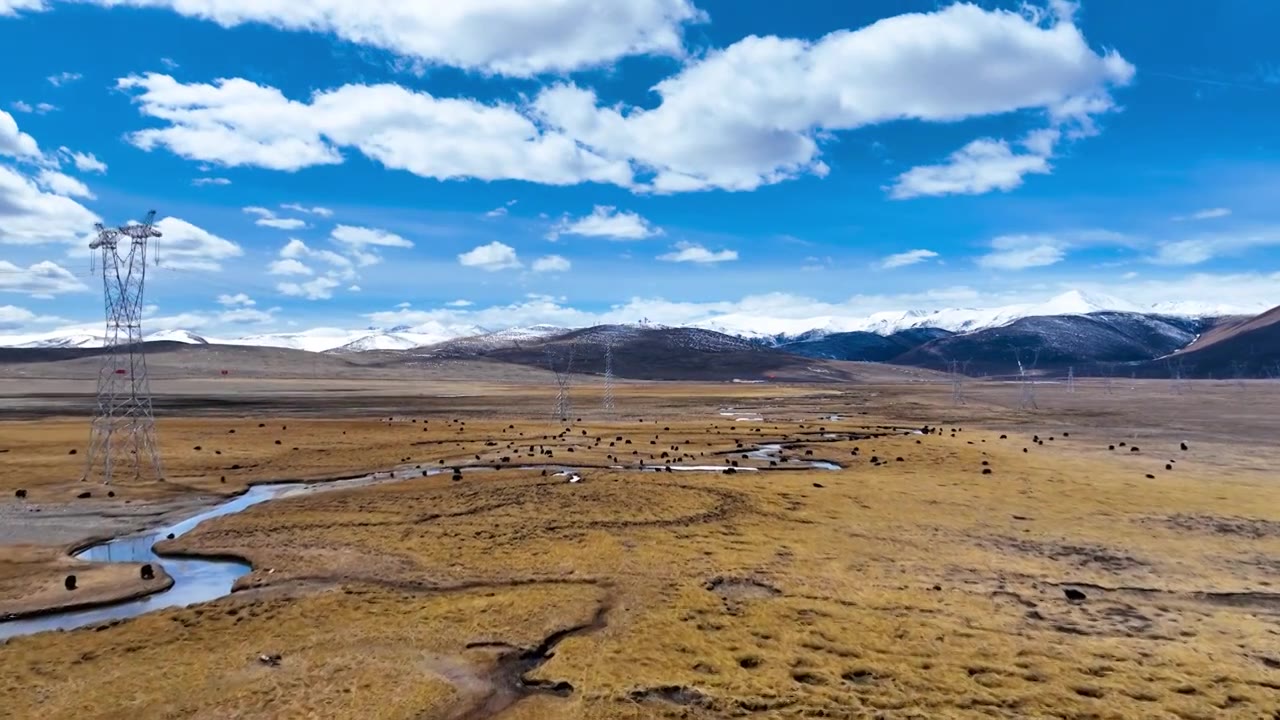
(957,383)
(1028,383)
(122,441)
(610,406)
(1071,379)
(561,366)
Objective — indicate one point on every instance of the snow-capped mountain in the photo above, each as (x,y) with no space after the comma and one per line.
(759,327)
(484,342)
(182,336)
(957,320)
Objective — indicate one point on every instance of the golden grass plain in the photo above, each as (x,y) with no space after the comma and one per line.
(919,588)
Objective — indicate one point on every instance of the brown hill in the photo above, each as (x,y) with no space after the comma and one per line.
(1235,347)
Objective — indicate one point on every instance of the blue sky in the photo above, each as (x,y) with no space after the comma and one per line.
(555,162)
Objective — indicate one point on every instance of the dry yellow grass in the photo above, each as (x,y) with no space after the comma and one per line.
(916,588)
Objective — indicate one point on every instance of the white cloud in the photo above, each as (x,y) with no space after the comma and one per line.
(64,78)
(354,288)
(501,211)
(360,237)
(29,215)
(13,318)
(690,252)
(15,143)
(910,257)
(1019,252)
(202,181)
(295,249)
(236,122)
(60,184)
(184,246)
(1203,248)
(320,288)
(492,257)
(753,113)
(605,221)
(266,218)
(357,242)
(551,263)
(10,8)
(39,108)
(459,303)
(503,37)
(1209,214)
(979,167)
(84,162)
(41,280)
(318,211)
(288,266)
(237,300)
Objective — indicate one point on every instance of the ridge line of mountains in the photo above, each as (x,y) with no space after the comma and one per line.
(1070,333)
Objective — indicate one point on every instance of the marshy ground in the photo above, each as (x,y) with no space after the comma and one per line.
(927,578)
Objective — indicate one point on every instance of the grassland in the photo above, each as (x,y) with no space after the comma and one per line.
(920,587)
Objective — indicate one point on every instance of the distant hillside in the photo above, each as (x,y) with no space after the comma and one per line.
(657,353)
(1091,344)
(1235,347)
(864,346)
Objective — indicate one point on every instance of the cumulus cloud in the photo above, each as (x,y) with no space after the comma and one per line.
(13,317)
(753,113)
(607,222)
(977,168)
(30,215)
(459,303)
(503,37)
(9,8)
(910,257)
(39,108)
(235,122)
(42,280)
(1019,252)
(288,266)
(64,78)
(15,143)
(551,263)
(491,258)
(202,181)
(320,288)
(357,242)
(748,115)
(691,252)
(84,162)
(184,246)
(237,300)
(297,250)
(60,184)
(315,210)
(267,218)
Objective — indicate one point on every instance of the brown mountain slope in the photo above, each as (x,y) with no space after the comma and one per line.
(1235,347)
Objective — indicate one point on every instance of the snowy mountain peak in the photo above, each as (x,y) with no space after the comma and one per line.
(182,336)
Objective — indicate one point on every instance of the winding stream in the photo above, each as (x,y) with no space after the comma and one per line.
(197,580)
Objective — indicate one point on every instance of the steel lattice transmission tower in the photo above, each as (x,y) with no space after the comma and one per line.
(122,442)
(562,371)
(610,404)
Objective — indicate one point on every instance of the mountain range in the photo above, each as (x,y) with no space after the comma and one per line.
(1073,332)
(774,331)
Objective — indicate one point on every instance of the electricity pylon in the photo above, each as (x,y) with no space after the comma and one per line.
(122,439)
(610,405)
(562,372)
